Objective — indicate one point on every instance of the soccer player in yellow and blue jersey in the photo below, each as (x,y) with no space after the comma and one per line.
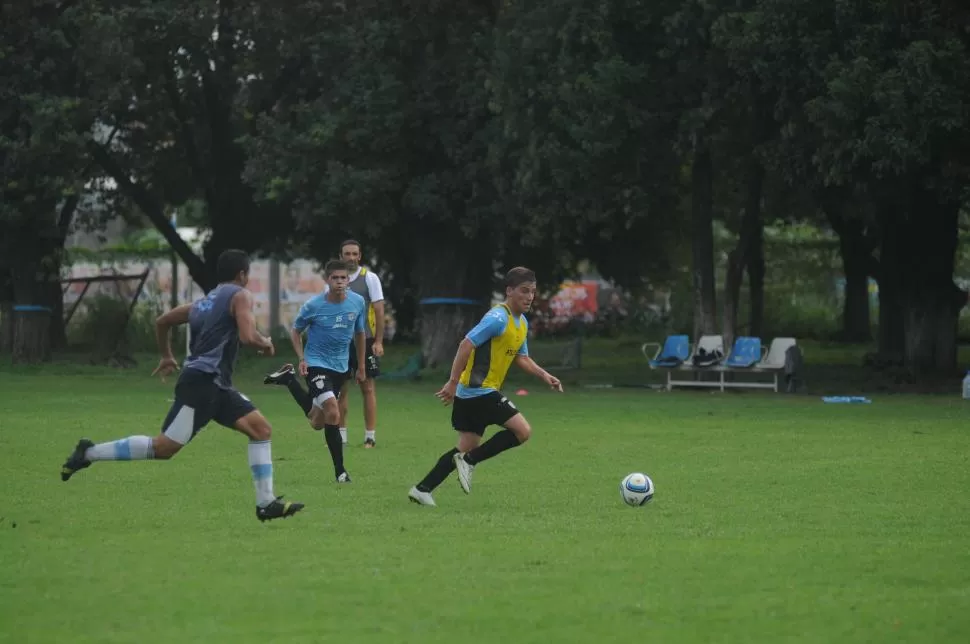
(481,364)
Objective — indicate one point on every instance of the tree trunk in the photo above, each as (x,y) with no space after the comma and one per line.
(751,227)
(732,292)
(892,339)
(6,327)
(6,311)
(449,266)
(930,301)
(856,261)
(31,325)
(705,299)
(756,279)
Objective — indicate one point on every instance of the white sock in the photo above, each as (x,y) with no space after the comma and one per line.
(261,465)
(369,433)
(343,435)
(133,448)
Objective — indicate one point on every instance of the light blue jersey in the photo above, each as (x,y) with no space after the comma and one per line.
(330,328)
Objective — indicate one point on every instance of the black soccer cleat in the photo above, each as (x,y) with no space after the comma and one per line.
(370,443)
(343,477)
(281,376)
(76,461)
(278,509)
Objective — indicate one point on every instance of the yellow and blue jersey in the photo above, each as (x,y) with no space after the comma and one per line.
(498,339)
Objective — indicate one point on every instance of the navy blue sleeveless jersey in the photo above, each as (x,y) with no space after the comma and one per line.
(214,342)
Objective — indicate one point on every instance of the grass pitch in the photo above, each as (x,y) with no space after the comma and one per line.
(777,519)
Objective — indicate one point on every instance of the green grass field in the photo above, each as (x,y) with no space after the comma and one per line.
(777,519)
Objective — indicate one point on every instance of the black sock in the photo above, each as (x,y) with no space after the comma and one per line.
(440,471)
(336,447)
(494,446)
(301,397)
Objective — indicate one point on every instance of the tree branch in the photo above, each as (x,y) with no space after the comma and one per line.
(287,75)
(187,136)
(66,215)
(147,204)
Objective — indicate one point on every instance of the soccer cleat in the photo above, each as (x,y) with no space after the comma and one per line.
(370,443)
(76,461)
(465,471)
(421,498)
(281,376)
(344,477)
(278,509)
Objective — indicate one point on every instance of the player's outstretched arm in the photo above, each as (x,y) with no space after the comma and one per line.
(163,326)
(242,310)
(529,365)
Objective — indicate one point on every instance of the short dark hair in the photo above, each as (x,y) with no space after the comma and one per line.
(231,262)
(335,265)
(518,276)
(350,242)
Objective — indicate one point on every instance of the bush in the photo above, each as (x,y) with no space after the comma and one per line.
(102,319)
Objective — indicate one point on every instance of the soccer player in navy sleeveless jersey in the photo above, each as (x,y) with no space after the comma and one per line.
(331,321)
(477,374)
(219,322)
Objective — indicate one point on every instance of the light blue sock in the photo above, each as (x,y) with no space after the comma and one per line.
(261,465)
(133,448)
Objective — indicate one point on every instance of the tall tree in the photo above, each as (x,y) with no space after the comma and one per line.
(192,80)
(582,146)
(387,140)
(45,117)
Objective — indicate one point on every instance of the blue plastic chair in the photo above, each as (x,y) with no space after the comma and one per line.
(675,351)
(745,353)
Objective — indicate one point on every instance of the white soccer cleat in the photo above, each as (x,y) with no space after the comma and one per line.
(465,471)
(421,498)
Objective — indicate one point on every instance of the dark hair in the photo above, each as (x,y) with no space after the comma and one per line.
(518,276)
(350,242)
(335,265)
(230,263)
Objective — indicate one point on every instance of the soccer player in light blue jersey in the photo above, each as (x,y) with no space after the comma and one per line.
(330,321)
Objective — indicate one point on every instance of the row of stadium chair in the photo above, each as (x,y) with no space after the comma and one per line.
(747,355)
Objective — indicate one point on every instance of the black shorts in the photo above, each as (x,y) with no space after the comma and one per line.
(475,414)
(373,362)
(321,381)
(199,400)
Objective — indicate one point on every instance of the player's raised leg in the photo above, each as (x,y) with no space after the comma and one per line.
(268,506)
(421,493)
(286,377)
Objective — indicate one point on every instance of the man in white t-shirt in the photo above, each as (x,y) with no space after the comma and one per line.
(367,284)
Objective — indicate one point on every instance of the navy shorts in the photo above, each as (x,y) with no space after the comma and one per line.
(322,381)
(200,400)
(373,362)
(475,414)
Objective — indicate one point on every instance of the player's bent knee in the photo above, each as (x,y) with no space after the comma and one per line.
(164,448)
(255,426)
(262,432)
(521,428)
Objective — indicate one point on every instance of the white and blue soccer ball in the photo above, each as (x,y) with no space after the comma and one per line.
(636,489)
